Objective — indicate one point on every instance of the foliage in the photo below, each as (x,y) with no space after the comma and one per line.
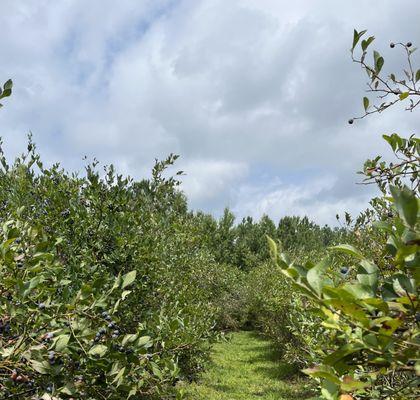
(374,316)
(98,292)
(368,295)
(6,91)
(62,342)
(405,171)
(391,89)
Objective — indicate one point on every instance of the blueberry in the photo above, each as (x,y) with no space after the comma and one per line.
(344,270)
(97,338)
(104,314)
(392,45)
(41,306)
(114,336)
(409,44)
(102,331)
(116,332)
(51,355)
(351,121)
(111,325)
(108,318)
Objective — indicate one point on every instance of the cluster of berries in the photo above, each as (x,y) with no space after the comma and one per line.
(111,325)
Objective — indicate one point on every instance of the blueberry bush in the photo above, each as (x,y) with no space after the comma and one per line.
(366,292)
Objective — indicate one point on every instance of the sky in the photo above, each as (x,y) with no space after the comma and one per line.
(254,95)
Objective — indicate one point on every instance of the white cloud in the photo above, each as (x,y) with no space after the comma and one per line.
(311,199)
(210,178)
(242,89)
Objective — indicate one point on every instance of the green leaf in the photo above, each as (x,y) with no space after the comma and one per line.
(367,42)
(315,276)
(404,95)
(348,249)
(350,384)
(69,389)
(61,342)
(342,352)
(418,75)
(273,247)
(322,371)
(356,37)
(365,103)
(376,57)
(156,370)
(403,285)
(329,390)
(40,366)
(350,308)
(120,377)
(128,279)
(143,341)
(129,338)
(98,350)
(406,204)
(8,85)
(367,275)
(6,93)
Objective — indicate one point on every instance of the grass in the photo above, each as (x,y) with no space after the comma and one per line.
(246,367)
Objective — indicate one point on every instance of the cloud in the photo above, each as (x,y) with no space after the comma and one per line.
(209,179)
(250,93)
(279,200)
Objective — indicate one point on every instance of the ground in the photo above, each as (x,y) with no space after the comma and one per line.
(247,367)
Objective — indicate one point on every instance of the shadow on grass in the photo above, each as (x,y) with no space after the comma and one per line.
(278,380)
(267,352)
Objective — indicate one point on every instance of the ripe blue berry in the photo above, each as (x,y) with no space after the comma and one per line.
(344,270)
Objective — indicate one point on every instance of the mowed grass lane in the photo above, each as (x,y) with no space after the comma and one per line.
(246,367)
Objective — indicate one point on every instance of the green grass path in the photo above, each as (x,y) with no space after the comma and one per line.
(246,367)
